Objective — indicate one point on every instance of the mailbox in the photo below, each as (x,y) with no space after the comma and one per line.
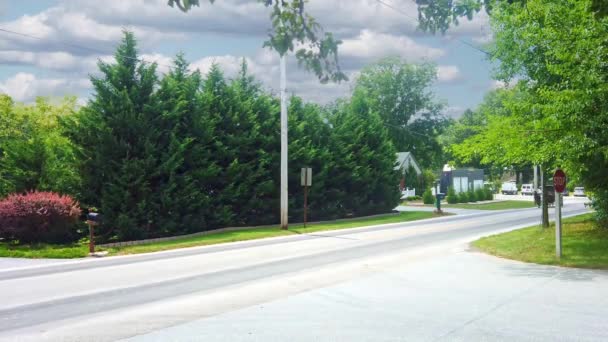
(94,217)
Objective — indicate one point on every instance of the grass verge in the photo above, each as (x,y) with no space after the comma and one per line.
(583,244)
(80,250)
(502,205)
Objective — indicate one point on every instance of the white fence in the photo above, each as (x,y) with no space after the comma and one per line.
(408,193)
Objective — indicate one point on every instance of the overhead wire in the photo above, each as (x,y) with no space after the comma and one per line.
(404,13)
(77,46)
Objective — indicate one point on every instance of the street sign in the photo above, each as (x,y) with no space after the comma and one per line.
(559,181)
(306,176)
(306,181)
(559,184)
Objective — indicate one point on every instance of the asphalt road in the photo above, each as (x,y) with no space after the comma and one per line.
(410,281)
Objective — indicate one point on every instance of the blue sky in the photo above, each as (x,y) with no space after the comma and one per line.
(224,33)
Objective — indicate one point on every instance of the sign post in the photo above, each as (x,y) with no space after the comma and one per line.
(559,184)
(306,181)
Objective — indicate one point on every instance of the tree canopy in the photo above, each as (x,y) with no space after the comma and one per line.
(400,93)
(191,152)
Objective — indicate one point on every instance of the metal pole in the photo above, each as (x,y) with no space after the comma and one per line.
(558,225)
(284,219)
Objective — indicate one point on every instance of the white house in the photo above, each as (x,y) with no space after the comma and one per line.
(405,160)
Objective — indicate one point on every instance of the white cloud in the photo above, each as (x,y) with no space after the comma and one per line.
(48,60)
(368,29)
(453,112)
(495,84)
(59,29)
(448,73)
(25,87)
(372,45)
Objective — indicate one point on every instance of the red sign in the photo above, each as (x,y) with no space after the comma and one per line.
(559,180)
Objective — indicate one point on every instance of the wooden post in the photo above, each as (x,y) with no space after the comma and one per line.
(91,236)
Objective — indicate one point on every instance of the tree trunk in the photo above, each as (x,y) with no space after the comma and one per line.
(543,194)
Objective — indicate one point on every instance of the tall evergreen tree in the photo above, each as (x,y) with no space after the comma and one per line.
(119,139)
(364,171)
(256,166)
(185,134)
(309,146)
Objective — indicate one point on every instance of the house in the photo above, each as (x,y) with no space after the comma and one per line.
(462,180)
(405,160)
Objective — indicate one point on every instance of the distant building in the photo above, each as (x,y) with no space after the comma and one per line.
(405,160)
(462,180)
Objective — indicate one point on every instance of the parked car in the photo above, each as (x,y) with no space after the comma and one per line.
(509,188)
(527,189)
(579,191)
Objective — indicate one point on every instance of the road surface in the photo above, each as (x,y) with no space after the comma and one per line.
(409,281)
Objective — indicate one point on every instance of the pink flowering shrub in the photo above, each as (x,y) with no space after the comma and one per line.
(38,217)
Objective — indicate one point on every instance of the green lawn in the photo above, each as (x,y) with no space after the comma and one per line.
(35,251)
(77,251)
(583,244)
(502,205)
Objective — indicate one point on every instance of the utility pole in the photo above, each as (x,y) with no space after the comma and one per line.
(284,145)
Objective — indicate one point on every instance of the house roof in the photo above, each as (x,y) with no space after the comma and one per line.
(405,160)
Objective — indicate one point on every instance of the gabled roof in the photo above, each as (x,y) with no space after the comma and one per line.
(405,160)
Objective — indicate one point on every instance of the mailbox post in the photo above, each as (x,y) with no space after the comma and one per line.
(93,219)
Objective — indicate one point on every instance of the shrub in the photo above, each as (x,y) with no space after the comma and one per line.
(471,196)
(428,197)
(480,195)
(39,217)
(452,197)
(413,198)
(488,194)
(463,197)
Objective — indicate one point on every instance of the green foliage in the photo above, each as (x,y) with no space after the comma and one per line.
(364,158)
(570,186)
(428,197)
(189,153)
(399,92)
(471,196)
(452,197)
(480,195)
(35,153)
(488,195)
(463,197)
(554,115)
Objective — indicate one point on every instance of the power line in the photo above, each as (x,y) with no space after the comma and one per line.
(404,13)
(82,47)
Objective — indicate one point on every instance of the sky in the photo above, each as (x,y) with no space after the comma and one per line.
(72,35)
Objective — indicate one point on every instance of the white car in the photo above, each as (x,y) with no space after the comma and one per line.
(527,189)
(509,188)
(579,191)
